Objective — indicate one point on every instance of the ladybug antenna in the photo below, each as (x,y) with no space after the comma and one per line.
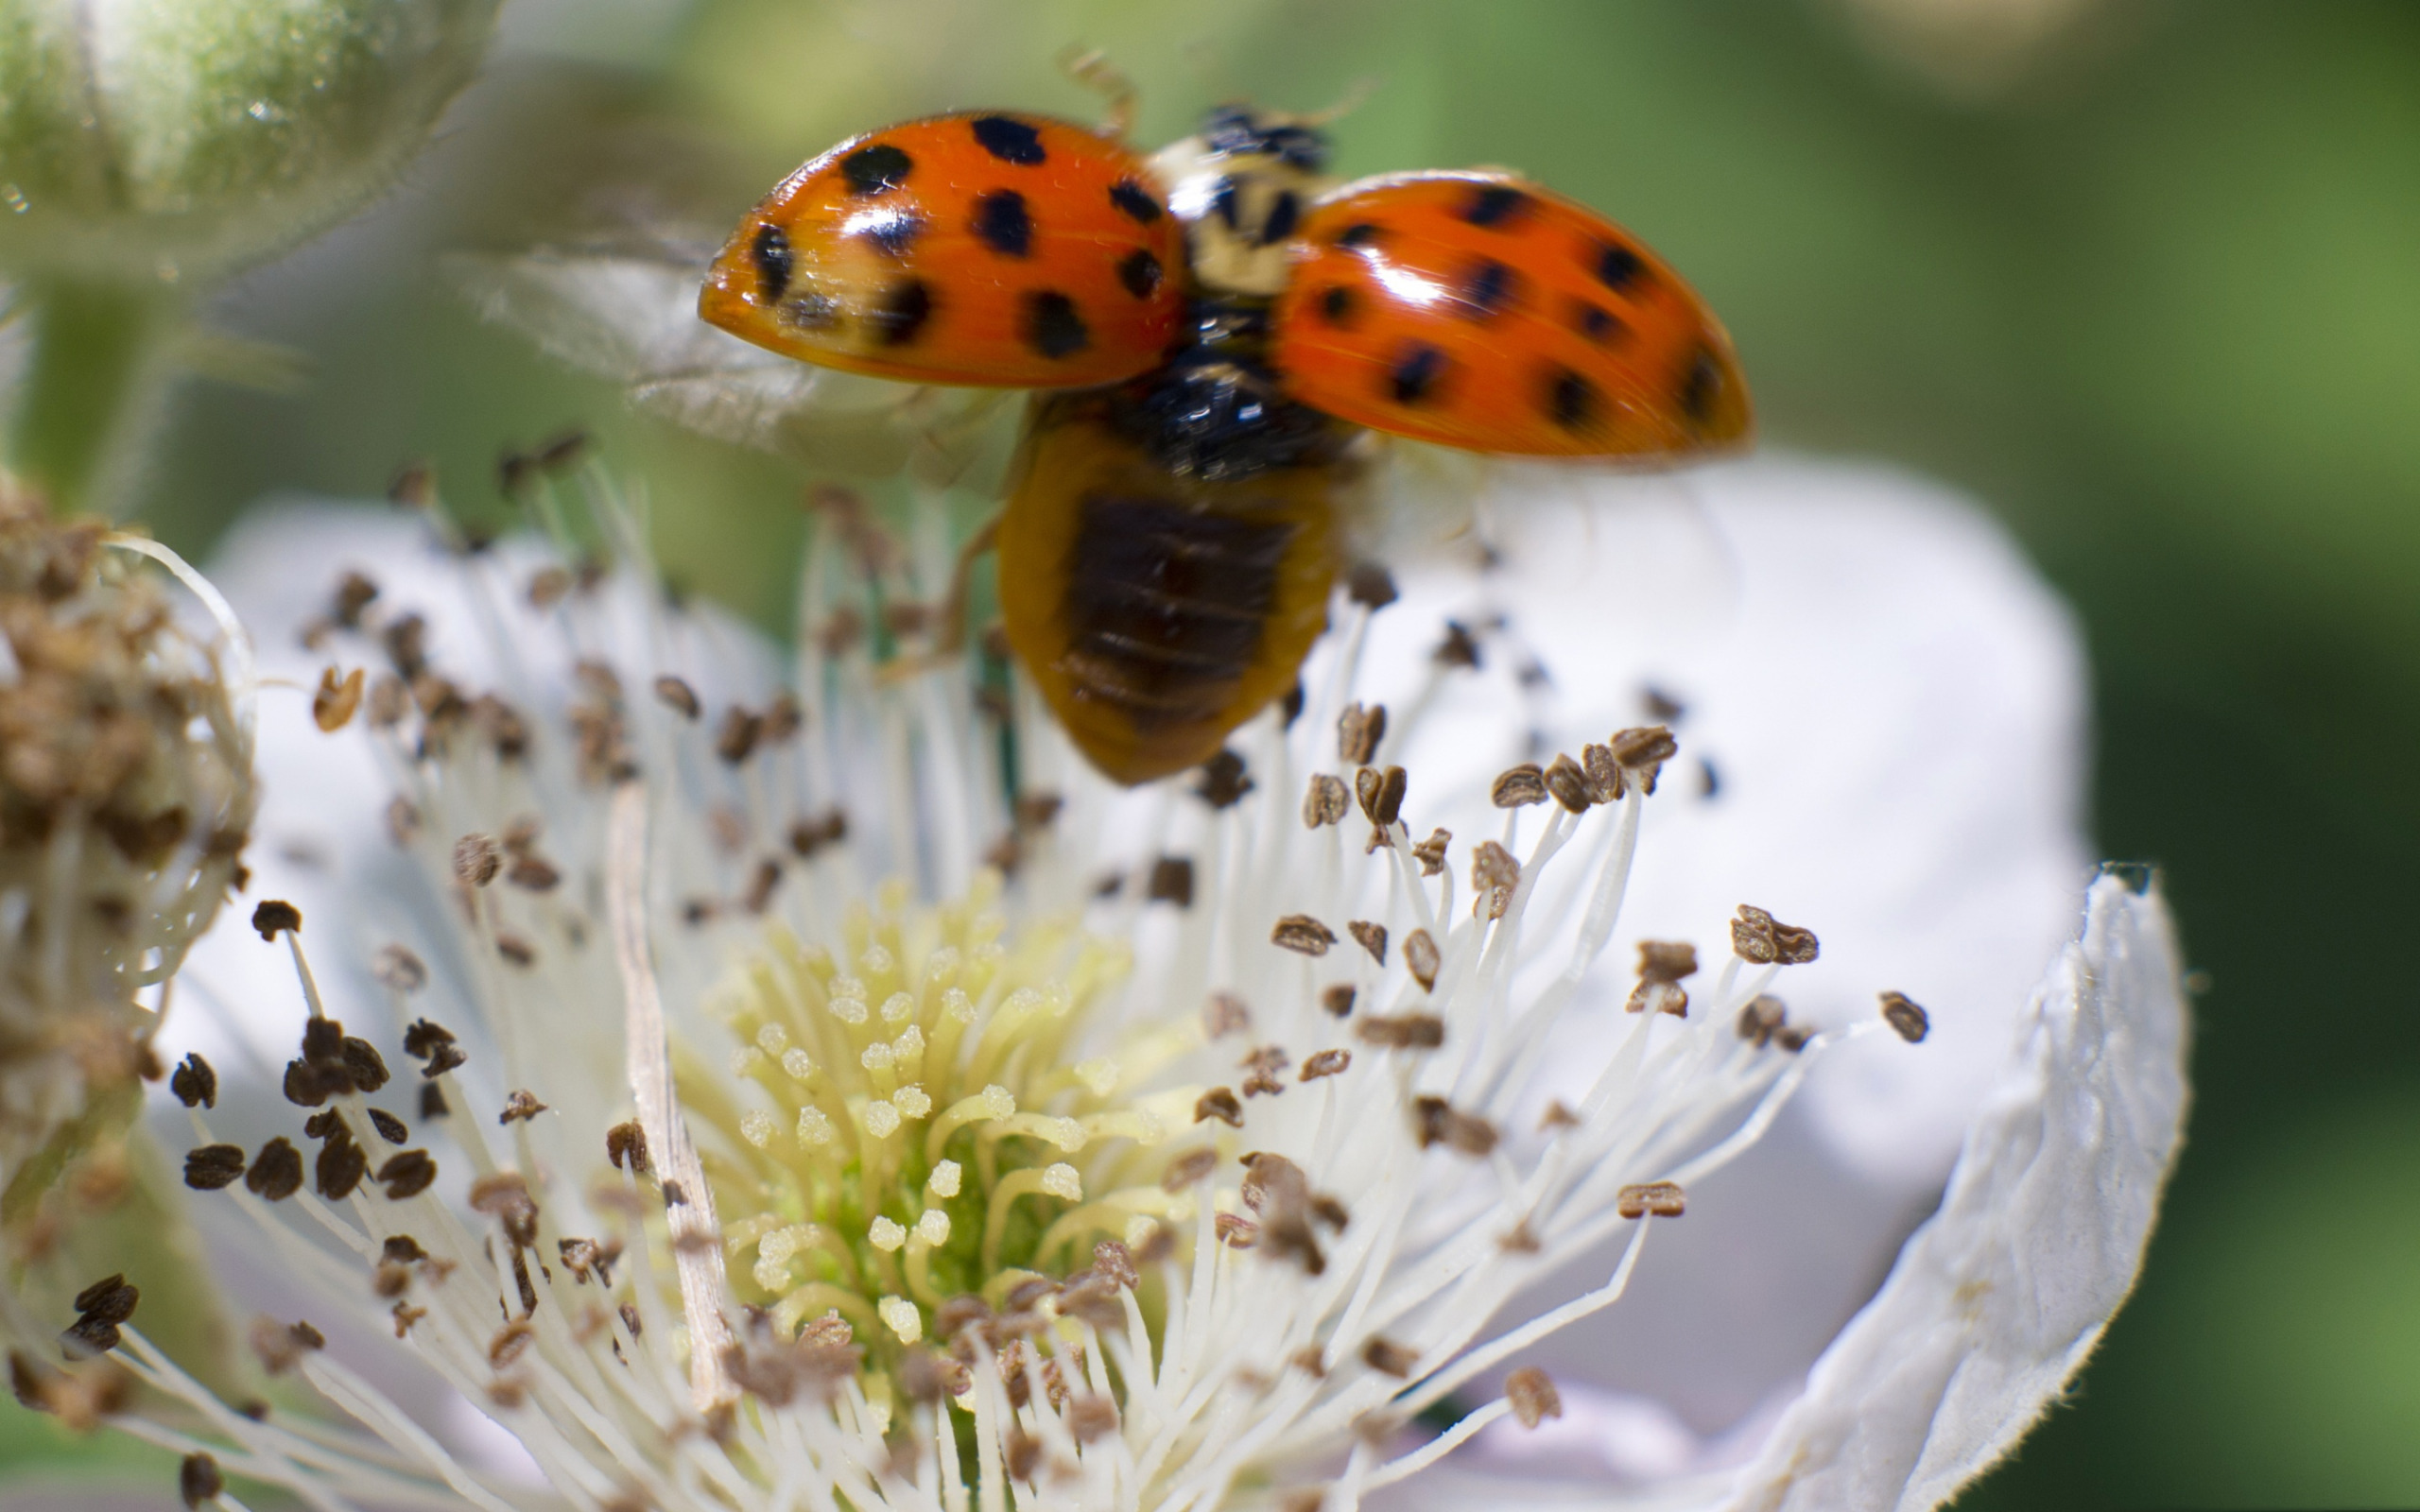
(1091,68)
(1355,96)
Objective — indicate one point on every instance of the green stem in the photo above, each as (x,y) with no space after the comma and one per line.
(91,393)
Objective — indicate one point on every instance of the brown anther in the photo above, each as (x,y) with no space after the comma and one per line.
(1326,1063)
(1410,1031)
(1518,1240)
(1642,752)
(1420,955)
(1762,941)
(1760,1018)
(533,874)
(406,1315)
(1659,1199)
(1224,782)
(1224,1014)
(276,1173)
(390,1281)
(1337,1000)
(399,969)
(510,1343)
(514,949)
(1389,1358)
(212,1167)
(505,1196)
(477,859)
(275,915)
(626,1147)
(958,1313)
(432,1101)
(333,705)
(1459,649)
(1518,786)
(678,697)
(1494,874)
(1187,1168)
(1263,1068)
(1370,585)
(736,739)
(519,1103)
(280,1346)
(1171,881)
(1221,1103)
(1237,1231)
(1358,731)
(1092,1418)
(783,718)
(1371,937)
(195,1083)
(390,702)
(1430,853)
(763,880)
(629,1314)
(1325,802)
(1436,1122)
(198,1481)
(407,641)
(341,1166)
(363,1065)
(1905,1017)
(1570,785)
(1381,794)
(1533,1396)
(548,586)
(1303,934)
(1604,773)
(1662,964)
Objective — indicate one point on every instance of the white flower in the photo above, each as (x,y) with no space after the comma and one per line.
(1306,1178)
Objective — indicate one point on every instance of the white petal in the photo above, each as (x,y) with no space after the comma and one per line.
(1999,1298)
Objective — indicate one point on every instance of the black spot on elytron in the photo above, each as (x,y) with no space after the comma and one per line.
(1283,217)
(894,236)
(874,169)
(1700,387)
(1597,323)
(770,249)
(1414,376)
(1337,305)
(1618,267)
(900,313)
(1002,223)
(1222,201)
(1360,234)
(1010,140)
(1135,200)
(1488,287)
(1572,401)
(1495,205)
(1053,326)
(1140,272)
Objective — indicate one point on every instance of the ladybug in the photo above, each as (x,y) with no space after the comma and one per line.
(1219,336)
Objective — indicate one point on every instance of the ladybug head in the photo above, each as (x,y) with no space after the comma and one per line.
(1239,131)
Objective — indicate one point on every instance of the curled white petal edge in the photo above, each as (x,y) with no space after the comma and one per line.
(1996,1301)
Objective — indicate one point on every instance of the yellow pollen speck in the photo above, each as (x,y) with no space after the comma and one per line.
(909,1043)
(757,1127)
(1061,1180)
(900,1316)
(744,1059)
(933,1227)
(913,1101)
(797,1064)
(772,1039)
(849,986)
(886,1235)
(875,961)
(1099,1075)
(773,1275)
(875,1057)
(898,1008)
(814,1128)
(849,1010)
(881,1119)
(959,1007)
(998,1102)
(943,1181)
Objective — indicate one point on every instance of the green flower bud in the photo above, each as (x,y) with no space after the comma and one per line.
(161,139)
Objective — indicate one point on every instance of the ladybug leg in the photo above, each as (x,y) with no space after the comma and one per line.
(951,636)
(1091,67)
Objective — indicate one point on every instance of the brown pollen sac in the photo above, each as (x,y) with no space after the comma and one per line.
(1303,934)
(198,1481)
(1381,794)
(1358,731)
(1662,964)
(1410,1031)
(390,1127)
(1603,772)
(276,1173)
(1760,1018)
(1263,1068)
(1649,1199)
(1532,1394)
(678,697)
(399,969)
(1570,785)
(1762,941)
(737,738)
(626,1147)
(1518,786)
(1460,649)
(1420,955)
(1337,1000)
(1188,1168)
(477,859)
(195,1083)
(1371,937)
(281,1346)
(533,874)
(1221,1103)
(1225,781)
(1224,1014)
(1326,801)
(1641,754)
(275,915)
(333,705)
(1170,881)
(212,1167)
(1430,853)
(520,1104)
(1237,1231)
(1326,1063)
(1389,1358)
(1436,1122)
(1905,1017)
(1494,874)
(1370,585)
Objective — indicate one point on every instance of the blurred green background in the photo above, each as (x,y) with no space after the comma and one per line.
(2145,277)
